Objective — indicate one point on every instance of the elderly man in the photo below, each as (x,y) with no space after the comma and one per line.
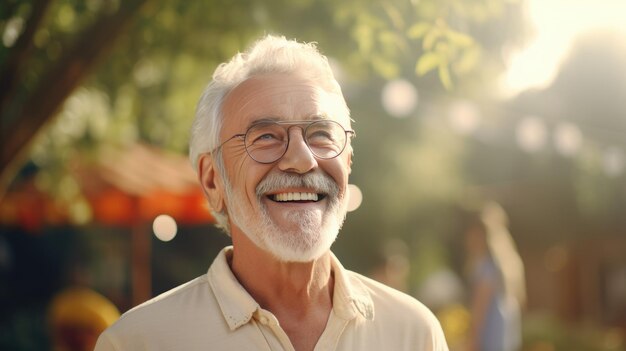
(271,145)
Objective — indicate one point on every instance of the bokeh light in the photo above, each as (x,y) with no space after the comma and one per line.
(531,134)
(399,98)
(12,30)
(355,197)
(613,162)
(164,227)
(464,117)
(567,139)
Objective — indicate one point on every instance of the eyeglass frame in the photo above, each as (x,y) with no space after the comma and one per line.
(298,124)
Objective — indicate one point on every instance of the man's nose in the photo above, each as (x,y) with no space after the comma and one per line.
(298,157)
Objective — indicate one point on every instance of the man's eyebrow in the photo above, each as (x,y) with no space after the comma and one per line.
(314,117)
(318,116)
(263,120)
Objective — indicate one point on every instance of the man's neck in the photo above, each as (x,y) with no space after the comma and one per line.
(294,285)
(297,293)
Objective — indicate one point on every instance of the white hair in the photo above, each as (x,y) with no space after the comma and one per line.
(270,54)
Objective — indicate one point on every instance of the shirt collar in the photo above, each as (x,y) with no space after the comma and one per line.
(236,304)
(350,296)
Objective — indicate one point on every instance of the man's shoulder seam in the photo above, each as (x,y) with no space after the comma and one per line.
(169,294)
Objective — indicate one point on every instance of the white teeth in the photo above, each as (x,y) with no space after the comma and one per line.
(296,197)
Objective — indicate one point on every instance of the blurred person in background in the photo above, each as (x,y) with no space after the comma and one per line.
(496,274)
(392,266)
(271,144)
(77,317)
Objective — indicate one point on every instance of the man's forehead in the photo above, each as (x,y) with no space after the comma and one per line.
(281,96)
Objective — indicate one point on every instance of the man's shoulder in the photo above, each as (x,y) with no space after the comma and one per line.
(380,291)
(399,318)
(161,321)
(391,302)
(161,309)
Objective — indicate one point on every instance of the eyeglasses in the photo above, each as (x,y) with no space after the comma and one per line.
(267,141)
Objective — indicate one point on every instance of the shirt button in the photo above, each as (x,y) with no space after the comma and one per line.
(264,320)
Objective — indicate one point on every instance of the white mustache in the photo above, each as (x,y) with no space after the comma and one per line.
(319,182)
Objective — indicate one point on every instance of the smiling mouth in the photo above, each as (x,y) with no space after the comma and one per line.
(296,197)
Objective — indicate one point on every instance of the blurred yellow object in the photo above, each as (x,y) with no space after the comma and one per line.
(85,307)
(455,321)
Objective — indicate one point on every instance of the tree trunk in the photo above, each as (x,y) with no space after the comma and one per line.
(22,123)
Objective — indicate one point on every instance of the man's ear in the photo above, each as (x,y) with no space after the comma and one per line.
(211,182)
(350,160)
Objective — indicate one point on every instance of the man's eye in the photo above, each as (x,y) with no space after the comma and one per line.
(266,137)
(321,135)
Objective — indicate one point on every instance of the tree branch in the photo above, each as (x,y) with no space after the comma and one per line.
(20,53)
(58,83)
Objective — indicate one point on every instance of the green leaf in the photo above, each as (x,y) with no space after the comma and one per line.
(467,61)
(444,77)
(394,15)
(427,63)
(391,42)
(363,35)
(418,30)
(458,38)
(430,38)
(384,67)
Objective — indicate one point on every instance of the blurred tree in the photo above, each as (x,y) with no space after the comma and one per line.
(47,60)
(165,50)
(572,184)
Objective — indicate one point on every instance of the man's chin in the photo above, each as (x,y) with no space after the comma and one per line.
(292,243)
(294,235)
(290,255)
(291,220)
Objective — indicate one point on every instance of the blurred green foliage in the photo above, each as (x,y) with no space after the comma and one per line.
(542,332)
(147,87)
(414,172)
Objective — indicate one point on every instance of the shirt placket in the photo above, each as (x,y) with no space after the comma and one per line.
(274,335)
(330,337)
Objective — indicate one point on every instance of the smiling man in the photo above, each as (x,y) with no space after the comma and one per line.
(271,143)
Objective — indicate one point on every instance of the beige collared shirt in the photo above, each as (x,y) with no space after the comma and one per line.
(214,312)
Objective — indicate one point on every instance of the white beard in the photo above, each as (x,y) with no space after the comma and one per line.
(309,233)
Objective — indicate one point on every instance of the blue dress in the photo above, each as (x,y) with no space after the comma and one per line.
(501,329)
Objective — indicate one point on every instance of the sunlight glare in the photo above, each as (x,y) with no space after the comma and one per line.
(556,24)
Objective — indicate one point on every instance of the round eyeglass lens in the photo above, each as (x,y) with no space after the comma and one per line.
(266,142)
(326,139)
